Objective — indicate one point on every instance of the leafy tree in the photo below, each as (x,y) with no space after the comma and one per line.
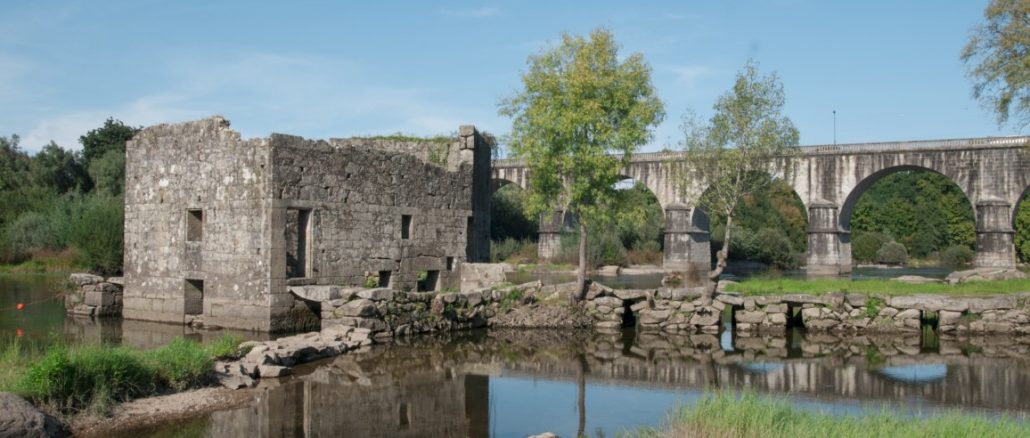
(998,53)
(892,253)
(508,219)
(58,169)
(579,104)
(108,173)
(746,140)
(13,163)
(111,136)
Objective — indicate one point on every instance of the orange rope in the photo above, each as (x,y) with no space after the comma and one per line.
(31,303)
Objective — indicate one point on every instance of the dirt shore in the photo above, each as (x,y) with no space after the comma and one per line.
(151,411)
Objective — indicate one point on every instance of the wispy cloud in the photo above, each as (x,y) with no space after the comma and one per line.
(261,92)
(690,75)
(480,12)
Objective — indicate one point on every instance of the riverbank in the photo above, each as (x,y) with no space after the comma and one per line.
(65,261)
(725,414)
(891,287)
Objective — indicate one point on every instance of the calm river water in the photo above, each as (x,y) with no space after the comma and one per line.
(515,383)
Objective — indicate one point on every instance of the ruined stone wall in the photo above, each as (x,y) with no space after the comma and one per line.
(373,210)
(201,168)
(216,227)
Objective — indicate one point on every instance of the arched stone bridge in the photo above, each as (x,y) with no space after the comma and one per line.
(993,172)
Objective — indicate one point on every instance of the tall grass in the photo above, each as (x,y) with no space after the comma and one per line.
(725,414)
(93,378)
(772,286)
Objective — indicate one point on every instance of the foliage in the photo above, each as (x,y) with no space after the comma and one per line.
(110,137)
(775,286)
(998,53)
(1022,226)
(957,255)
(108,173)
(96,233)
(923,210)
(892,253)
(94,377)
(746,140)
(579,104)
(603,248)
(864,245)
(873,306)
(508,218)
(59,170)
(725,414)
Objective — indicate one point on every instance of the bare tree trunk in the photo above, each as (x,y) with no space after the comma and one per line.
(581,274)
(720,263)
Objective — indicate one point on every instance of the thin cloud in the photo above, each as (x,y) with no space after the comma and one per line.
(316,97)
(690,75)
(481,12)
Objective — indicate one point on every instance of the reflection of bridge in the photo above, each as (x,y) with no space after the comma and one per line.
(440,386)
(992,172)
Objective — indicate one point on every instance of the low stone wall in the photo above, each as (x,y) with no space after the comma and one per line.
(93,295)
(842,312)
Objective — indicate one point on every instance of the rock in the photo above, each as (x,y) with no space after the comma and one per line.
(358,308)
(801,298)
(856,300)
(749,317)
(81,279)
(978,305)
(915,279)
(651,317)
(733,300)
(908,314)
(778,319)
(378,294)
(705,316)
(18,418)
(980,274)
(117,281)
(948,317)
(609,271)
(237,382)
(888,312)
(544,435)
(608,325)
(685,294)
(630,294)
(266,371)
(931,303)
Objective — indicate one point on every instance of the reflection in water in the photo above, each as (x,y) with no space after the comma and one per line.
(510,383)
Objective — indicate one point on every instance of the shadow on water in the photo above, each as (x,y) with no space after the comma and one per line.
(516,383)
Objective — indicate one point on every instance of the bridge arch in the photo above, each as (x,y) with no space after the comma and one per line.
(861,187)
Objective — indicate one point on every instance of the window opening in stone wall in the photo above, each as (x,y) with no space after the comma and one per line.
(193,297)
(404,412)
(428,280)
(450,263)
(297,242)
(194,225)
(384,278)
(406,226)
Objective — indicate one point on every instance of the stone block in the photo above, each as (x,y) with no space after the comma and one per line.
(82,279)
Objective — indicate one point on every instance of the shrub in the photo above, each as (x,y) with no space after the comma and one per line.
(502,250)
(96,233)
(892,253)
(88,377)
(957,255)
(865,245)
(772,247)
(180,364)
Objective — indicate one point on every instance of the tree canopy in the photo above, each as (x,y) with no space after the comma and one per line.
(998,53)
(734,153)
(579,104)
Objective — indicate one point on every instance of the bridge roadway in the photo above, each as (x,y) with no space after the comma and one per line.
(993,173)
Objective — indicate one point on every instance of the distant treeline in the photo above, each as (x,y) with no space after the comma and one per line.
(65,204)
(909,214)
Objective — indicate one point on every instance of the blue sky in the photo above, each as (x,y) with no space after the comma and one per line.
(335,69)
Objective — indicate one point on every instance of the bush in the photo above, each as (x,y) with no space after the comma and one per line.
(892,253)
(603,248)
(181,363)
(957,255)
(29,233)
(96,233)
(88,377)
(772,247)
(865,245)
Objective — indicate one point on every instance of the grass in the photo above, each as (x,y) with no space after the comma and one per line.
(725,414)
(92,378)
(774,286)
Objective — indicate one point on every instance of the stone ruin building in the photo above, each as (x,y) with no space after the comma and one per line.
(218,228)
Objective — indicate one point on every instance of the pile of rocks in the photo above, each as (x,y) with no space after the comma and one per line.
(672,310)
(276,358)
(18,418)
(93,295)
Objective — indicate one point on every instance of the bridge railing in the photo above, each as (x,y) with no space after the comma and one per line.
(852,148)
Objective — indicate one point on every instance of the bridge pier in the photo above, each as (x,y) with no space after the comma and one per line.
(687,244)
(995,245)
(829,247)
(549,235)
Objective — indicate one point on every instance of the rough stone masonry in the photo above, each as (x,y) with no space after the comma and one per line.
(217,228)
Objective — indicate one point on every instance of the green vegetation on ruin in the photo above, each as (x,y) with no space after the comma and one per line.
(727,414)
(776,286)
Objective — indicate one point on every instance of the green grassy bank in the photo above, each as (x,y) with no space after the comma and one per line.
(775,286)
(725,414)
(67,380)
